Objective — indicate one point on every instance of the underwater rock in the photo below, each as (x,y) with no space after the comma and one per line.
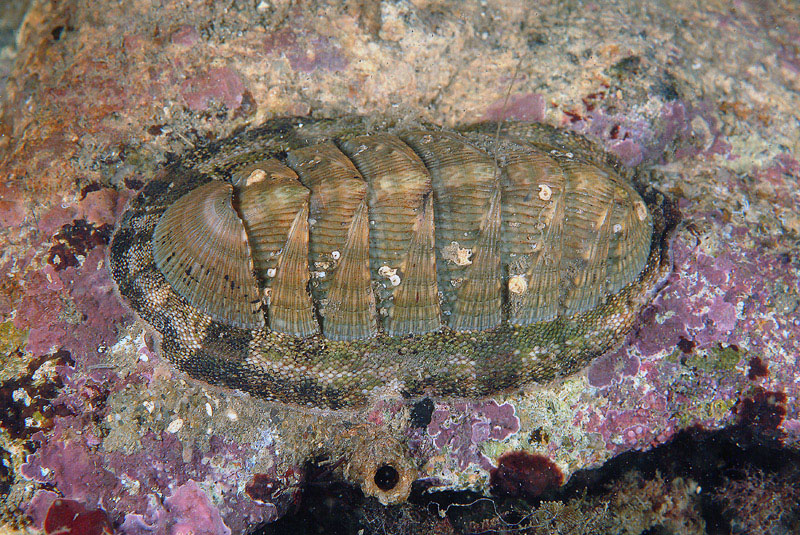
(92,103)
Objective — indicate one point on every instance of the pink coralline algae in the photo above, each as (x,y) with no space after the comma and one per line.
(13,210)
(71,315)
(703,301)
(690,128)
(93,293)
(306,51)
(160,467)
(526,107)
(463,427)
(700,308)
(101,206)
(185,35)
(193,512)
(134,488)
(221,84)
(710,335)
(70,304)
(624,429)
(71,466)
(777,183)
(39,311)
(86,287)
(613,366)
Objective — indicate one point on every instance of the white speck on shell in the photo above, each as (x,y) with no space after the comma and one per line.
(641,211)
(517,284)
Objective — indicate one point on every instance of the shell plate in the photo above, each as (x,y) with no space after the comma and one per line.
(326,262)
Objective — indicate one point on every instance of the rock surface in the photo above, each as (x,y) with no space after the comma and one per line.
(102,93)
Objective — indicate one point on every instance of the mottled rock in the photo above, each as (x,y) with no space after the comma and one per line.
(706,93)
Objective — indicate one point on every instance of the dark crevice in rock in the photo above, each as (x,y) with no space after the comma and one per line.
(721,469)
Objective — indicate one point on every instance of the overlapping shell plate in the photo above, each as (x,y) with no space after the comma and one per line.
(325,262)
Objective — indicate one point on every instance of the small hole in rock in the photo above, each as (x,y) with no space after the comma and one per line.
(386,477)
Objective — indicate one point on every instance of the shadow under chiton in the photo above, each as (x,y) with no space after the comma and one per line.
(324,262)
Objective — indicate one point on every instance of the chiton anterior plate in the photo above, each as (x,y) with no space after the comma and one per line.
(326,262)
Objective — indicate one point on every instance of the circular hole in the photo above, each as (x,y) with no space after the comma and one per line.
(386,477)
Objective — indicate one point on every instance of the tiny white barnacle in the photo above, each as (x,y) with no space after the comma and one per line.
(386,271)
(641,211)
(258,175)
(517,284)
(460,256)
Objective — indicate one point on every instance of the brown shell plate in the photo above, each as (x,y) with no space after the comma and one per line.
(327,262)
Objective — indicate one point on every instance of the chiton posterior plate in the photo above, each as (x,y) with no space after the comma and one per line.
(325,262)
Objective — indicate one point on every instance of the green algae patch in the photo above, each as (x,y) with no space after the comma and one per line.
(714,359)
(11,338)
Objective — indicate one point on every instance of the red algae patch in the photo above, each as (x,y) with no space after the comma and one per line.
(68,517)
(520,474)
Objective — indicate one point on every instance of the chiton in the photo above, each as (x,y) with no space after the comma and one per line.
(327,262)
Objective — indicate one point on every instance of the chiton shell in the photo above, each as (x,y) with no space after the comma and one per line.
(325,262)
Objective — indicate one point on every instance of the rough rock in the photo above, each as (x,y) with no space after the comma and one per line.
(102,93)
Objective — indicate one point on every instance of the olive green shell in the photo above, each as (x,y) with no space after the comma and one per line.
(328,262)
